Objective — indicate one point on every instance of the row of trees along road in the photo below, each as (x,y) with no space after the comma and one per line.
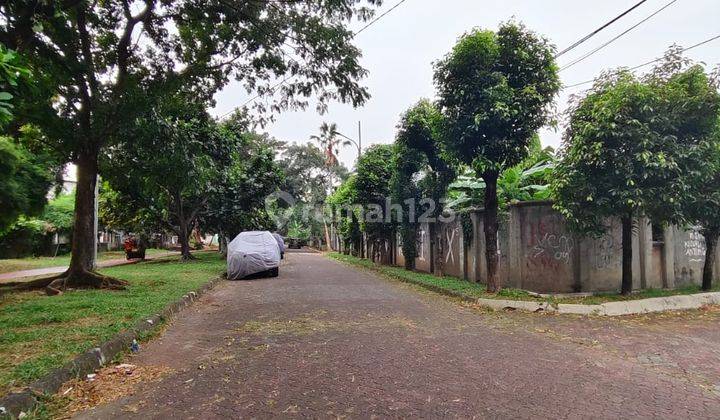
(644,147)
(98,65)
(494,92)
(634,147)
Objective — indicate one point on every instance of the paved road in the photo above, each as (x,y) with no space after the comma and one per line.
(325,340)
(46,271)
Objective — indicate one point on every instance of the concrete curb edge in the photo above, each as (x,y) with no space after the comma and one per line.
(11,405)
(628,307)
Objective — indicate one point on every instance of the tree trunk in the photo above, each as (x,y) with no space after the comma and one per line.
(409,247)
(184,238)
(80,273)
(222,244)
(83,238)
(327,236)
(490,227)
(627,281)
(711,239)
(439,249)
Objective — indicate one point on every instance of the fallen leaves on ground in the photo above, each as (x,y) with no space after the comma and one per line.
(105,385)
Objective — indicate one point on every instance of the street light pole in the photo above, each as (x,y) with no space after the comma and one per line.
(358,145)
(359,140)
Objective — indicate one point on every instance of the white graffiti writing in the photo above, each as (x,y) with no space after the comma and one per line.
(694,246)
(557,247)
(421,254)
(450,236)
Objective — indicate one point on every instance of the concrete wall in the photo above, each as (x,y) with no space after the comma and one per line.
(546,250)
(538,252)
(688,256)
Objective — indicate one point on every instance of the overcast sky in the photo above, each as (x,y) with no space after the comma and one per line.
(398,51)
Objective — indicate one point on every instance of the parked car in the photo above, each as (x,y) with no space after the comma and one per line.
(281,244)
(251,253)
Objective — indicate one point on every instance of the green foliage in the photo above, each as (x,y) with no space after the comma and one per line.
(59,213)
(495,90)
(527,181)
(421,169)
(24,182)
(342,202)
(626,143)
(26,237)
(99,66)
(238,201)
(12,71)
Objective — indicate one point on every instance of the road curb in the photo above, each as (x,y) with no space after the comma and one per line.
(11,405)
(628,307)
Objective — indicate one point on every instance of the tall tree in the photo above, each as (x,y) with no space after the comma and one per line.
(422,170)
(495,91)
(238,200)
(329,141)
(171,167)
(372,190)
(102,60)
(624,150)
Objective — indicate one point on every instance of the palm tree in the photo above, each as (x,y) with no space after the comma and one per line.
(329,142)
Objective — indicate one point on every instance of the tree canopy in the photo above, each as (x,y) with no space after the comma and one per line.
(495,91)
(99,64)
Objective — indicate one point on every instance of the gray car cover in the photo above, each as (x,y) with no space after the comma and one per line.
(252,252)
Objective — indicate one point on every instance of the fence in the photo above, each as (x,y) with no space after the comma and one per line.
(538,252)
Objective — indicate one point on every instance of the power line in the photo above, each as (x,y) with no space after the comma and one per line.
(596,31)
(282,82)
(567,66)
(649,62)
(379,17)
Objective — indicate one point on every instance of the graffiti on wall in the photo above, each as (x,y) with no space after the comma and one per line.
(548,248)
(694,246)
(607,253)
(450,238)
(557,247)
(421,245)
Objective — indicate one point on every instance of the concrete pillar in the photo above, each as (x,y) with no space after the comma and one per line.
(645,250)
(515,274)
(668,258)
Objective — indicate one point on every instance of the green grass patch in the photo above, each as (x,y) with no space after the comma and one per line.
(29,263)
(39,333)
(454,284)
(478,290)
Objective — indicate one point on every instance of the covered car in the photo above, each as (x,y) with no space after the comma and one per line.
(281,243)
(252,253)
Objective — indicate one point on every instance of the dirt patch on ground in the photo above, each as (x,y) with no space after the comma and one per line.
(106,385)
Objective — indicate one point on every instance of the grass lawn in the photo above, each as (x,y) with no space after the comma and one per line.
(30,263)
(39,333)
(477,290)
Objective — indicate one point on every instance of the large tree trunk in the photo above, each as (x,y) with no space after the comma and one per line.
(627,281)
(490,227)
(409,246)
(83,238)
(711,239)
(80,273)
